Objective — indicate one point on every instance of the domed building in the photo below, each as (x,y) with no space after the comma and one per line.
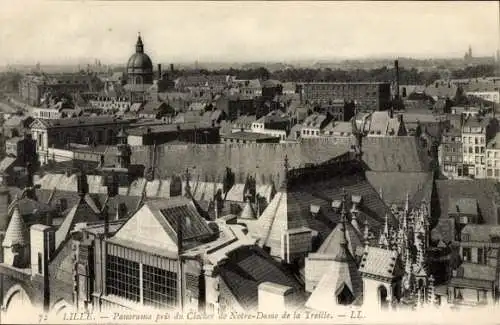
(139,66)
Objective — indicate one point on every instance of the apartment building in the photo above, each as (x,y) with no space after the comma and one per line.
(476,132)
(493,158)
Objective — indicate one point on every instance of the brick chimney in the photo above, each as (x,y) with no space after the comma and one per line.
(159,71)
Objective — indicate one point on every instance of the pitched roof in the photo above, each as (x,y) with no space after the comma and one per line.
(477,272)
(290,209)
(16,233)
(331,245)
(380,262)
(396,185)
(343,273)
(481,189)
(266,164)
(462,205)
(249,266)
(394,154)
(481,233)
(248,212)
(85,210)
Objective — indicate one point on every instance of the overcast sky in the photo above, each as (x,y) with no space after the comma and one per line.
(69,31)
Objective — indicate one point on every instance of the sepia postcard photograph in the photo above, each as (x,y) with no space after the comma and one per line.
(256,162)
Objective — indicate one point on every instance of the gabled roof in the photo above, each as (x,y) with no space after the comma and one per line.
(394,154)
(249,266)
(342,275)
(156,225)
(248,212)
(331,245)
(16,233)
(444,230)
(85,210)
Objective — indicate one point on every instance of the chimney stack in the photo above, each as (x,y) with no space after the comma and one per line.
(396,67)
(171,67)
(159,71)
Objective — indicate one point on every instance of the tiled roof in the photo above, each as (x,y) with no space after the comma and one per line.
(482,190)
(16,233)
(396,185)
(380,262)
(381,123)
(249,136)
(249,266)
(394,154)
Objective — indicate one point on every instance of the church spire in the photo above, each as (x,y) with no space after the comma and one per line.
(286,166)
(139,46)
(384,237)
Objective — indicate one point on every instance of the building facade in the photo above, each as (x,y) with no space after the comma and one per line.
(366,96)
(476,133)
(451,155)
(85,130)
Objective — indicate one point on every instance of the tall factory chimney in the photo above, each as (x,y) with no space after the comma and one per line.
(171,67)
(396,67)
(159,71)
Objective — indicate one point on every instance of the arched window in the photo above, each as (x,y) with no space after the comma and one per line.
(382,296)
(138,80)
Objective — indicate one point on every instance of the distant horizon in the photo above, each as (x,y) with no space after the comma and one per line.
(245,32)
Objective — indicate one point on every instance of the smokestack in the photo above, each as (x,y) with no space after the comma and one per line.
(159,71)
(396,67)
(171,67)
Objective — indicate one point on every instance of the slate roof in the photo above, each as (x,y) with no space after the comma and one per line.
(16,233)
(249,266)
(462,205)
(85,210)
(266,163)
(331,245)
(343,273)
(394,154)
(396,185)
(79,121)
(290,209)
(381,262)
(481,189)
(170,211)
(381,123)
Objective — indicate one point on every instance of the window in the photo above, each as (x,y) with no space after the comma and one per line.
(482,296)
(40,263)
(159,287)
(481,258)
(122,278)
(466,254)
